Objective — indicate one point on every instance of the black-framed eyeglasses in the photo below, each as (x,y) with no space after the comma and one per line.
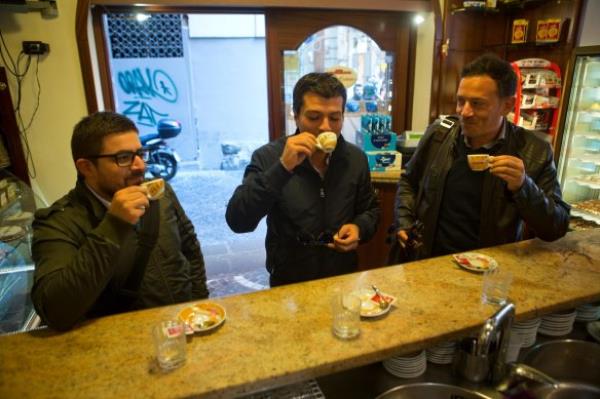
(308,239)
(125,158)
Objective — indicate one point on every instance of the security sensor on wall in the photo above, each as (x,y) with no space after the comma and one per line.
(48,8)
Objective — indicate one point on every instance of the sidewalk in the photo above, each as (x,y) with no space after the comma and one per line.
(235,263)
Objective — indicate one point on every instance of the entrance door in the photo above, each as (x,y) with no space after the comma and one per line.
(208,71)
(291,31)
(294,43)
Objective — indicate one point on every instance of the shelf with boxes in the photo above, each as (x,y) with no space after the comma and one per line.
(538,95)
(378,141)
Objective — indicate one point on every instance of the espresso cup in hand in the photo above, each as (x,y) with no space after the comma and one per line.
(479,162)
(327,141)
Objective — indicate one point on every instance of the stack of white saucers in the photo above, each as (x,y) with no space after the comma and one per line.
(588,312)
(410,366)
(442,353)
(526,330)
(557,324)
(515,343)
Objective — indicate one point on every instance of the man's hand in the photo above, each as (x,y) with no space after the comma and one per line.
(346,239)
(296,149)
(402,237)
(129,204)
(510,169)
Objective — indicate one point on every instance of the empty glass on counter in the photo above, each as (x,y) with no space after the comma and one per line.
(496,285)
(345,309)
(169,343)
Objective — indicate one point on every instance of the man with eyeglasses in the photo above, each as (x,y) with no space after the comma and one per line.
(319,205)
(106,248)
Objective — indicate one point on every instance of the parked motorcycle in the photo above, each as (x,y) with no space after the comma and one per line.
(234,157)
(163,159)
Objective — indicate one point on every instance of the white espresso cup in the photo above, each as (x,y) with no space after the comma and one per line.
(479,162)
(327,141)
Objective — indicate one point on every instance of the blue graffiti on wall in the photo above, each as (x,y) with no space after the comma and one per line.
(147,85)
(144,113)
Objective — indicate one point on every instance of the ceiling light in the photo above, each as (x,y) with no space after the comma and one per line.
(418,19)
(141,17)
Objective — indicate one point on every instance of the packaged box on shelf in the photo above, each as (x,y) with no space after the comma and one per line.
(539,78)
(384,161)
(519,31)
(538,101)
(378,141)
(548,30)
(411,138)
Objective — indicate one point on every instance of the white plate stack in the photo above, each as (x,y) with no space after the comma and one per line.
(442,353)
(588,312)
(526,330)
(558,324)
(410,366)
(515,344)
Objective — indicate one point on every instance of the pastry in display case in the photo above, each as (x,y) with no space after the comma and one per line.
(17,206)
(579,160)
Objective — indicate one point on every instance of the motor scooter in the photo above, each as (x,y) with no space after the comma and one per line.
(162,159)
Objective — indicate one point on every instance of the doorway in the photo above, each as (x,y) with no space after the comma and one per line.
(207,72)
(285,31)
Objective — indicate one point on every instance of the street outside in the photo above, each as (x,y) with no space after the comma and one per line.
(235,263)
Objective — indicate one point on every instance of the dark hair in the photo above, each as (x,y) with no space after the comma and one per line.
(321,83)
(499,70)
(90,132)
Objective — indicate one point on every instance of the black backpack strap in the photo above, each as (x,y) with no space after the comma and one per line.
(147,237)
(448,125)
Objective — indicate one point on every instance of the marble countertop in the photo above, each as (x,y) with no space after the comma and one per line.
(283,335)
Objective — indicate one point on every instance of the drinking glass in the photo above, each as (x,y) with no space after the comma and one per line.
(346,315)
(496,285)
(169,342)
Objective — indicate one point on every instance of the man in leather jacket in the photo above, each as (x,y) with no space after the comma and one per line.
(105,247)
(451,208)
(319,206)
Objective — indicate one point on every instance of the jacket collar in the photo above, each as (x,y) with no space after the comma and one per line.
(86,197)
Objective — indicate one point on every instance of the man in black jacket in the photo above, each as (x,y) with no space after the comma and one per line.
(105,247)
(319,206)
(459,209)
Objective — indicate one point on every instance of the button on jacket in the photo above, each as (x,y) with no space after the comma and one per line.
(84,256)
(302,204)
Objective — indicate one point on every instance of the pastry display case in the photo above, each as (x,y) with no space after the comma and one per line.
(579,159)
(17,206)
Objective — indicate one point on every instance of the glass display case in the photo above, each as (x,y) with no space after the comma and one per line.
(17,206)
(579,160)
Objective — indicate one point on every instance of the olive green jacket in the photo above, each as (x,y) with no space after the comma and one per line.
(83,257)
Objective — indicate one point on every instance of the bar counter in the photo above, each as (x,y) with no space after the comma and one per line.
(283,335)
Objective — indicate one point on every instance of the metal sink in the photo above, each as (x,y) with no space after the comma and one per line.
(430,390)
(567,391)
(567,360)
